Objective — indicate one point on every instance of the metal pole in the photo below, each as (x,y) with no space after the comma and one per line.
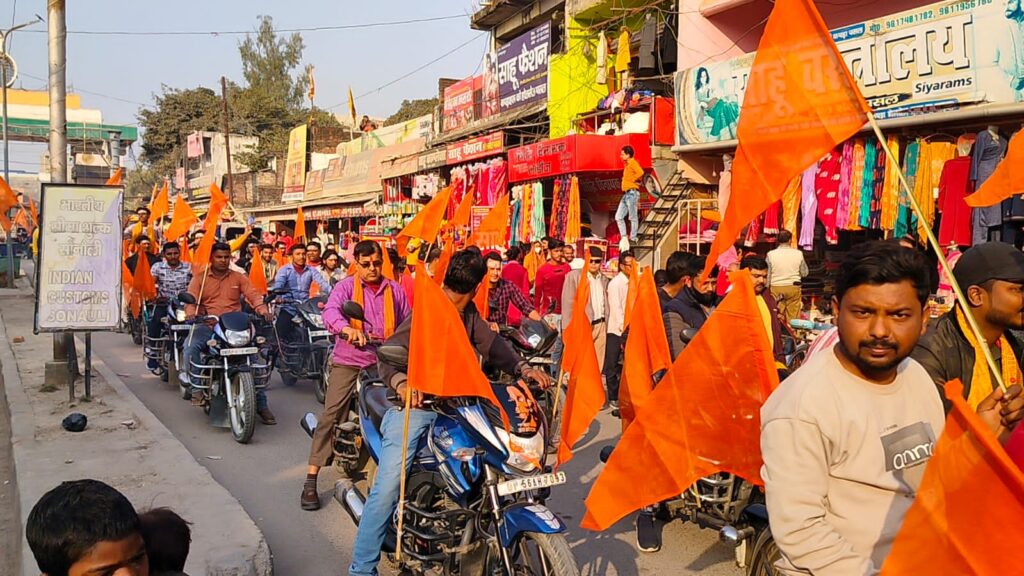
(227,139)
(7,168)
(58,141)
(88,366)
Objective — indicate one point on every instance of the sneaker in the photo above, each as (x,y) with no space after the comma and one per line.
(310,499)
(624,245)
(648,536)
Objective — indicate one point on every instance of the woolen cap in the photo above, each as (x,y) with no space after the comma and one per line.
(989,261)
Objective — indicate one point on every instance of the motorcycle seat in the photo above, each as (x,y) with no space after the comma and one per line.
(375,400)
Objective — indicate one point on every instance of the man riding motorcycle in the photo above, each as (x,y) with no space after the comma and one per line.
(217,291)
(385,307)
(172,277)
(297,278)
(465,272)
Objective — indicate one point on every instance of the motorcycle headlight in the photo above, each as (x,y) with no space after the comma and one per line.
(237,338)
(179,315)
(317,320)
(525,454)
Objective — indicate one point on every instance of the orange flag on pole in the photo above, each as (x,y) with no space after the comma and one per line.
(584,396)
(143,285)
(427,223)
(186,252)
(34,210)
(441,266)
(116,178)
(966,516)
(8,200)
(464,212)
(258,277)
(160,205)
(1006,181)
(493,229)
(631,292)
(646,350)
(443,366)
(300,226)
(676,440)
(184,218)
(126,279)
(482,299)
(218,202)
(800,102)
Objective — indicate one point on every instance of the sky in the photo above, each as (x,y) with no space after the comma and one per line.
(118,74)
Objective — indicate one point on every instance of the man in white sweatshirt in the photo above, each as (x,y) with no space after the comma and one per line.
(846,438)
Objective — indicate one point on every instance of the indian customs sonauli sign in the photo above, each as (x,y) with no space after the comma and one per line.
(78,277)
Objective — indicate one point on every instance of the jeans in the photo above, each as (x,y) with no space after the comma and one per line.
(628,207)
(155,327)
(195,345)
(382,501)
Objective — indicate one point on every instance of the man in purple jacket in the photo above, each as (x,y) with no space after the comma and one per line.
(385,307)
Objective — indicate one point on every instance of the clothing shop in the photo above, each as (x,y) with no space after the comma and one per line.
(477,166)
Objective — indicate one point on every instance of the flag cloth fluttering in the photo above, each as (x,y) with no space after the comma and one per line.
(116,178)
(702,419)
(160,205)
(966,516)
(441,266)
(788,122)
(217,204)
(493,229)
(584,396)
(1006,181)
(300,226)
(143,286)
(427,222)
(8,200)
(646,350)
(183,219)
(463,213)
(352,107)
(258,276)
(631,292)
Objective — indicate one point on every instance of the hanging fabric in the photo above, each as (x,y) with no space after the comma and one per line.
(826,185)
(954,184)
(791,207)
(808,208)
(572,232)
(856,184)
(556,193)
(926,189)
(905,219)
(754,231)
(537,224)
(868,183)
(845,182)
(515,233)
(622,56)
(771,219)
(891,185)
(602,59)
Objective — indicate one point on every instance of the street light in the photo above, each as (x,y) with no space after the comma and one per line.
(6,80)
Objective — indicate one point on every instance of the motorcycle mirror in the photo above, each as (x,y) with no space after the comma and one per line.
(269,298)
(353,311)
(397,356)
(309,423)
(186,298)
(688,334)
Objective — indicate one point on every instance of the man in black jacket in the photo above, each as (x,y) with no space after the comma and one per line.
(465,272)
(685,301)
(992,278)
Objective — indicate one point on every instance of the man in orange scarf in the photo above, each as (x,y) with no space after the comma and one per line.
(385,307)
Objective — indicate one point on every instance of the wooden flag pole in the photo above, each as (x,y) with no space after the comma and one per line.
(993,368)
(401,483)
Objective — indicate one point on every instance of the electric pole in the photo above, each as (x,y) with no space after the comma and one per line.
(227,137)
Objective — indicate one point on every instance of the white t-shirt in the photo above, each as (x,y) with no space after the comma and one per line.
(843,459)
(786,266)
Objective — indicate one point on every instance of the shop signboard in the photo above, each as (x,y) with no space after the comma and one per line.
(938,57)
(575,153)
(475,148)
(315,181)
(430,159)
(458,103)
(295,166)
(522,67)
(77,278)
(477,215)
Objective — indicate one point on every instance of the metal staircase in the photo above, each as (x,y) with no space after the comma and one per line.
(663,217)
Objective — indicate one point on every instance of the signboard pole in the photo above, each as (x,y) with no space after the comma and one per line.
(88,367)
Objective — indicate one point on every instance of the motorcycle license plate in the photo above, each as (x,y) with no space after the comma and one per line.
(530,483)
(180,328)
(237,351)
(319,333)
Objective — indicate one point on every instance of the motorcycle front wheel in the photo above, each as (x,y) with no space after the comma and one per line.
(764,556)
(243,414)
(536,554)
(320,389)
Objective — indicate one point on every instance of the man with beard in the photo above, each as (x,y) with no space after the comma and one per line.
(766,303)
(992,278)
(686,300)
(845,439)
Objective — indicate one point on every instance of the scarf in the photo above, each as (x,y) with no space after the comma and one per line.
(389,307)
(981,380)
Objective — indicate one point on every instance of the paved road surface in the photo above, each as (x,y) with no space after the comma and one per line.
(266,476)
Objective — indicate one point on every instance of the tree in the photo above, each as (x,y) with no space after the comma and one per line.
(175,114)
(268,62)
(410,109)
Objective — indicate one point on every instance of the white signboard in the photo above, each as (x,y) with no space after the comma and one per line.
(78,280)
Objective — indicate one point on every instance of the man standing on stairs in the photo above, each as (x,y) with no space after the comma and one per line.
(632,173)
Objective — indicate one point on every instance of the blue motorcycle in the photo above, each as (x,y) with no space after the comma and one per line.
(475,494)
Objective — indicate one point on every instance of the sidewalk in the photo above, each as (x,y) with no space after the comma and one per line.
(124,445)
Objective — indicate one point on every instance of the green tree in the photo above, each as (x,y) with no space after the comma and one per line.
(175,114)
(410,109)
(269,61)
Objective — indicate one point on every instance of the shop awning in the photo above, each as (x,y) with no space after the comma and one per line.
(576,153)
(365,201)
(489,123)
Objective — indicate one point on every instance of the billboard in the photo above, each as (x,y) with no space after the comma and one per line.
(458,103)
(295,167)
(79,268)
(522,67)
(474,148)
(938,57)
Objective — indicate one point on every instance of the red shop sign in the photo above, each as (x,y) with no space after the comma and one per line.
(542,159)
(479,147)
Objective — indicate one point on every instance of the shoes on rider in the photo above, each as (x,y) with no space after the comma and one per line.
(310,499)
(648,536)
(198,397)
(266,416)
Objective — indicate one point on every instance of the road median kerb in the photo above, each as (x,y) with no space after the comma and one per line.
(143,460)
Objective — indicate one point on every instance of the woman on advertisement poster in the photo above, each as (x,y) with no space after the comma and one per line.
(717,117)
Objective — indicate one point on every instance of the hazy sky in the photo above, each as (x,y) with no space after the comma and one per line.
(118,73)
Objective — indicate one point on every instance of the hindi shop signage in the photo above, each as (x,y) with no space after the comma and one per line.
(474,148)
(78,277)
(458,102)
(433,158)
(523,68)
(942,56)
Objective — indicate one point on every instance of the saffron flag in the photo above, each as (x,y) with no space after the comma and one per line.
(443,366)
(427,223)
(300,226)
(160,205)
(1007,180)
(646,350)
(116,178)
(441,266)
(966,516)
(184,218)
(126,279)
(258,277)
(631,292)
(314,290)
(463,213)
(218,202)
(34,210)
(352,106)
(702,420)
(142,281)
(8,200)
(584,396)
(788,122)
(493,229)
(186,252)
(482,299)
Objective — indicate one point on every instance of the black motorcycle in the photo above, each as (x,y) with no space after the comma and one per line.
(167,348)
(307,354)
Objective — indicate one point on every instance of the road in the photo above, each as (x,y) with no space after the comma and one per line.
(266,476)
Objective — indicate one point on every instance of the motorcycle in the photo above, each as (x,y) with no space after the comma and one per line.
(308,353)
(231,370)
(533,340)
(167,348)
(475,494)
